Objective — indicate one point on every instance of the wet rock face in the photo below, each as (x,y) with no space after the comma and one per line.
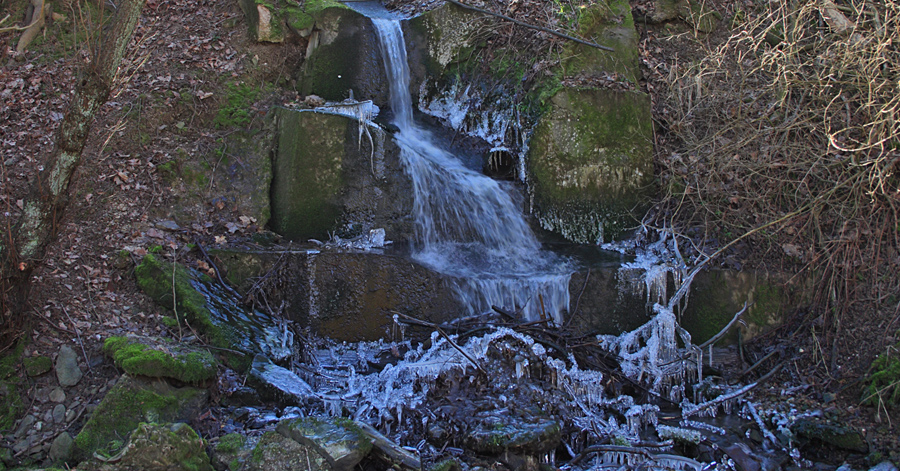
(331,176)
(339,441)
(590,165)
(343,57)
(277,452)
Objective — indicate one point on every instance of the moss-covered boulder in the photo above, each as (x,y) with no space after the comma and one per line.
(214,312)
(231,451)
(329,177)
(608,23)
(170,447)
(130,402)
(343,58)
(339,441)
(158,359)
(590,165)
(273,20)
(819,432)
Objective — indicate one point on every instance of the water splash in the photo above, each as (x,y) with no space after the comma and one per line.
(468,225)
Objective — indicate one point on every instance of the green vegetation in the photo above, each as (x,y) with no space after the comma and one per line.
(231,443)
(126,405)
(235,109)
(10,399)
(160,280)
(36,366)
(138,359)
(883,387)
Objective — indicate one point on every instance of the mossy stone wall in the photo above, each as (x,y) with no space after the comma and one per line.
(343,57)
(308,174)
(330,178)
(590,164)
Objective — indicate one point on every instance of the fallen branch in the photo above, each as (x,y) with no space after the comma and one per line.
(715,338)
(535,27)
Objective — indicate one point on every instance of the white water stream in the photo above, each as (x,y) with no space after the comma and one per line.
(468,225)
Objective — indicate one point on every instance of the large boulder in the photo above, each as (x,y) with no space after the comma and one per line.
(129,403)
(609,24)
(335,174)
(172,447)
(590,163)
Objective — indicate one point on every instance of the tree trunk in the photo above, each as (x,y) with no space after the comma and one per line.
(23,248)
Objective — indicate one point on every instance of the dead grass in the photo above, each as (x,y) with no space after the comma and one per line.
(789,138)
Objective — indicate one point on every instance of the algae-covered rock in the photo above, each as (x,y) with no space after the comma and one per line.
(275,452)
(230,452)
(329,176)
(130,402)
(608,23)
(590,166)
(533,436)
(36,366)
(339,441)
(343,58)
(830,433)
(270,20)
(156,359)
(217,314)
(170,447)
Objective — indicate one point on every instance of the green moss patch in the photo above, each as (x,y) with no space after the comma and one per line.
(36,366)
(10,399)
(211,311)
(590,165)
(883,383)
(129,403)
(159,361)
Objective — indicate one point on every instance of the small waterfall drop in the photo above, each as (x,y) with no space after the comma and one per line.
(468,225)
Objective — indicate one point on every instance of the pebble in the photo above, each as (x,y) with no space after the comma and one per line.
(42,395)
(57,395)
(67,371)
(70,415)
(59,413)
(25,426)
(61,448)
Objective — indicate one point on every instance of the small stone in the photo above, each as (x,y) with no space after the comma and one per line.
(61,448)
(22,445)
(57,395)
(829,397)
(42,395)
(36,366)
(314,101)
(70,415)
(25,426)
(59,413)
(168,225)
(67,371)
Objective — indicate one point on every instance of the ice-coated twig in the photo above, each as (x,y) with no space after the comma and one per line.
(759,423)
(725,329)
(693,409)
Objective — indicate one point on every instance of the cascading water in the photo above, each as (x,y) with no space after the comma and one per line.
(468,225)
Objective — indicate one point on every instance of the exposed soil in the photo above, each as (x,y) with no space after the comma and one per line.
(123,204)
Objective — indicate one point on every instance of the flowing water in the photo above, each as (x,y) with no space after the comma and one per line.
(468,225)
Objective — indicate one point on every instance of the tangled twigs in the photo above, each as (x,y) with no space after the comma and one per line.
(785,136)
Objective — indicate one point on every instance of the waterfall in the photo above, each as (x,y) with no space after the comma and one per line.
(469,226)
